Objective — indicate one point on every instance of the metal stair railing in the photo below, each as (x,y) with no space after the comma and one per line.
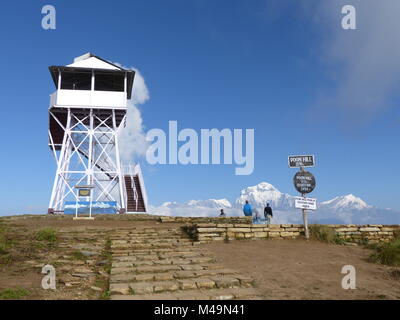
(138,172)
(129,170)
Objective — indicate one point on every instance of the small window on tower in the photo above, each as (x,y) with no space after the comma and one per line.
(76,80)
(109,82)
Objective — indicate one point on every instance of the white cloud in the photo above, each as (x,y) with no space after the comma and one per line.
(132,138)
(364,64)
(195,211)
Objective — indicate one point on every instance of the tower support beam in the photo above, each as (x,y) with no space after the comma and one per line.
(89,154)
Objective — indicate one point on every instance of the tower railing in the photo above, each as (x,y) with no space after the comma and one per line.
(133,170)
(138,171)
(129,170)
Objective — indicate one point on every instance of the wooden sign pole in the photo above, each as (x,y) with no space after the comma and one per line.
(305,221)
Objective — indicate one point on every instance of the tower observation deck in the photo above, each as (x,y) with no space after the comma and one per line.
(86,114)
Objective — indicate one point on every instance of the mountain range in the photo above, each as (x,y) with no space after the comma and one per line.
(346,209)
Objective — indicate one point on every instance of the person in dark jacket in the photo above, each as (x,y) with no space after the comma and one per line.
(222,214)
(247,210)
(268,213)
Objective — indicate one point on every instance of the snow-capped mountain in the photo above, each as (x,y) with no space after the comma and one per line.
(210,203)
(350,209)
(348,202)
(196,208)
(347,209)
(263,193)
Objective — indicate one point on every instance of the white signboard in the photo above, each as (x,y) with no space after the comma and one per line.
(305,203)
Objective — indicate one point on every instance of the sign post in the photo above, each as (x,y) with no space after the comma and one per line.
(304,182)
(305,203)
(83,191)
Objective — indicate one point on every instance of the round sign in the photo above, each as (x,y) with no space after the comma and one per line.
(304,182)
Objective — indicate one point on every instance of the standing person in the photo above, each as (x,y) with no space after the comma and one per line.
(247,210)
(222,214)
(268,213)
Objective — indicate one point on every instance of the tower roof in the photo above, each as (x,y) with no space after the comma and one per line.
(89,62)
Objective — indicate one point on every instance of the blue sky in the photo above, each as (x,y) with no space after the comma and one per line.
(285,68)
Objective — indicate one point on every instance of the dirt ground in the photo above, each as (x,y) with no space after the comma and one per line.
(297,269)
(68,223)
(282,269)
(23,270)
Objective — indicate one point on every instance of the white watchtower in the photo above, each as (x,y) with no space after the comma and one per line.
(86,114)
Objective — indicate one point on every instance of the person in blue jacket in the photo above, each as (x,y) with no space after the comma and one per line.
(248,212)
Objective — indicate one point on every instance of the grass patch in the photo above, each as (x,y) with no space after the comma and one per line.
(3,248)
(387,253)
(395,274)
(47,234)
(107,268)
(105,295)
(5,241)
(396,233)
(78,255)
(101,283)
(104,283)
(325,234)
(226,238)
(107,255)
(108,244)
(13,294)
(364,242)
(20,244)
(6,259)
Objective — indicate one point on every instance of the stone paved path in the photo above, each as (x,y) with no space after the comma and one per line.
(80,260)
(163,264)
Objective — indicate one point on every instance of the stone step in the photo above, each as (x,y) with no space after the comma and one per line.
(156,261)
(198,270)
(147,240)
(214,272)
(167,251)
(171,255)
(150,246)
(146,286)
(145,269)
(162,265)
(181,275)
(213,294)
(136,241)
